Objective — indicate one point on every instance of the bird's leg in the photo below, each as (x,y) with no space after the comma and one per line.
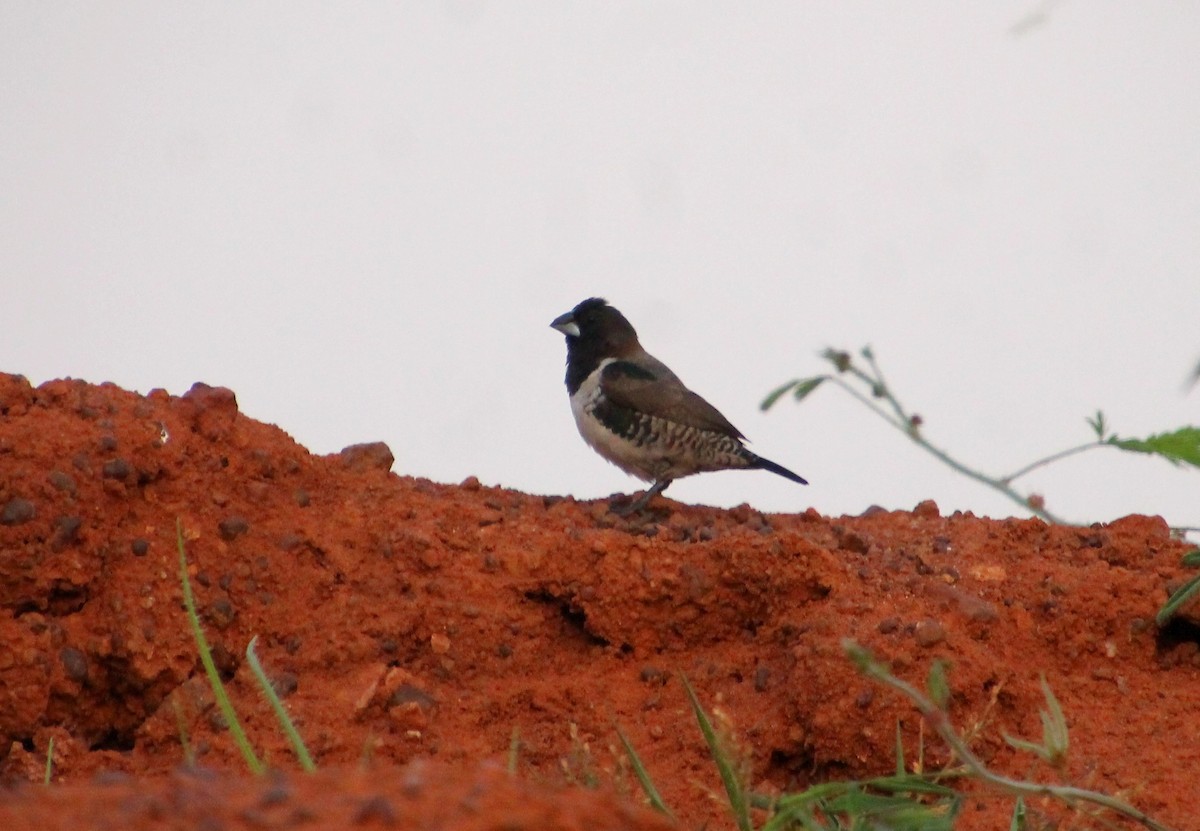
(641,502)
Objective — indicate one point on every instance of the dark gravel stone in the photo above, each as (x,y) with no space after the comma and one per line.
(374,455)
(406,693)
(74,663)
(232,527)
(17,511)
(62,481)
(285,683)
(117,469)
(140,547)
(652,675)
(376,811)
(221,612)
(66,530)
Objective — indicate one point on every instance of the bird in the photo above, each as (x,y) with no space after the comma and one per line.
(636,413)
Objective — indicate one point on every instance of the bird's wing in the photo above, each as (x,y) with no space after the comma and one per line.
(654,390)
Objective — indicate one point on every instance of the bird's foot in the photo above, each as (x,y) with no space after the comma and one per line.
(620,508)
(641,501)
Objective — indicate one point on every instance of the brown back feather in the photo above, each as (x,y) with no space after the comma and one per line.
(648,386)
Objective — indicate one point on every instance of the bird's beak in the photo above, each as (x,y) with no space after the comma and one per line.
(566,324)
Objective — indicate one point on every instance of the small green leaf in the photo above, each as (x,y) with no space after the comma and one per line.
(1055,738)
(1021,744)
(938,684)
(863,660)
(779,392)
(803,388)
(1191,559)
(1097,424)
(1179,447)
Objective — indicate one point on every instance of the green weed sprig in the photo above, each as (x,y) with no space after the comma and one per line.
(218,688)
(903,802)
(1054,743)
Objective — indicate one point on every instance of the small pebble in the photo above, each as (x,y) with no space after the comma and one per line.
(232,527)
(62,481)
(116,469)
(17,511)
(66,530)
(929,633)
(74,663)
(375,809)
(888,625)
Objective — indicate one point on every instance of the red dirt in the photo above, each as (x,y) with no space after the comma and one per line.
(409,622)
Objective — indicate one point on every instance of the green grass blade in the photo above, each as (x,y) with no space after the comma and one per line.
(643,776)
(910,783)
(1185,593)
(210,668)
(189,755)
(514,751)
(733,785)
(900,766)
(1017,823)
(49,762)
(281,713)
(895,813)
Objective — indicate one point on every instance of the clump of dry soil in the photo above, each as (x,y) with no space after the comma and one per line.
(414,626)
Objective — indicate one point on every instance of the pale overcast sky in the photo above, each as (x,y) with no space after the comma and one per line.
(362,217)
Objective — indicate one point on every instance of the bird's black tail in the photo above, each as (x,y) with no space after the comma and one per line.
(766,464)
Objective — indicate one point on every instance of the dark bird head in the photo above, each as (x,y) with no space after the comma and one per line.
(595,331)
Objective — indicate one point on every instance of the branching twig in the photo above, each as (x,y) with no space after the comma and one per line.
(1180,447)
(910,425)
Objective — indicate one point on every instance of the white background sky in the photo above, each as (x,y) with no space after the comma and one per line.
(362,217)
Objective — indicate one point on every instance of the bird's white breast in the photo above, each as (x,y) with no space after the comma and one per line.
(621,452)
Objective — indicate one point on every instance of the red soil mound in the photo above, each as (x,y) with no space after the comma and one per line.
(406,620)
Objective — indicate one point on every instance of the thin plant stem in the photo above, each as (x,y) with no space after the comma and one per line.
(1053,457)
(903,423)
